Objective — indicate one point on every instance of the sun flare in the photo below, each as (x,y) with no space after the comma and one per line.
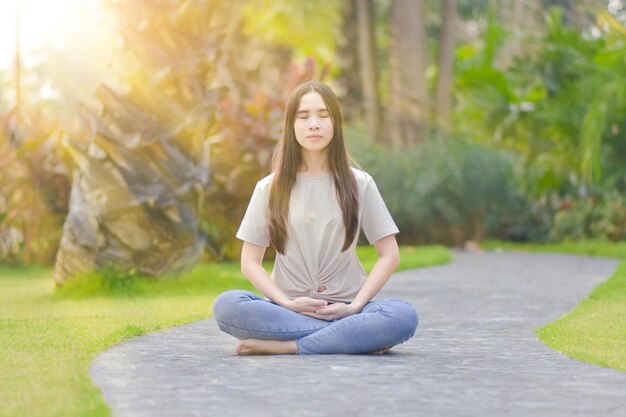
(65,48)
(43,24)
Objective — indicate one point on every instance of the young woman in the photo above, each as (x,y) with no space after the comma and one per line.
(318,298)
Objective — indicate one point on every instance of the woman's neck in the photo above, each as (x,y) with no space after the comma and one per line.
(314,163)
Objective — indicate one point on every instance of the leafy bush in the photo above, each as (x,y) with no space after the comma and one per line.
(596,217)
(531,221)
(441,191)
(33,194)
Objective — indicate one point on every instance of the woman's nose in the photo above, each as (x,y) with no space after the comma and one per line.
(314,123)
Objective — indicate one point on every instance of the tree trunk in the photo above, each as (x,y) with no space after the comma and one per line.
(369,66)
(408,112)
(349,91)
(443,99)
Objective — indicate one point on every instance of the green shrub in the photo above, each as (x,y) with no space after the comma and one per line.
(33,191)
(531,220)
(596,217)
(572,222)
(446,191)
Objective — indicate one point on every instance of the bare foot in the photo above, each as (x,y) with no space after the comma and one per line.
(266,347)
(380,351)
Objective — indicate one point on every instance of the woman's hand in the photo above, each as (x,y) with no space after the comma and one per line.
(333,312)
(306,305)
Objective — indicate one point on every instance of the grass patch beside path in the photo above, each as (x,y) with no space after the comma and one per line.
(411,257)
(583,247)
(49,338)
(47,342)
(595,331)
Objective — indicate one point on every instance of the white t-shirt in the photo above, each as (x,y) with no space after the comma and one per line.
(313,257)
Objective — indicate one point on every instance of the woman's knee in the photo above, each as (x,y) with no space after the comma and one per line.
(410,318)
(227,302)
(404,316)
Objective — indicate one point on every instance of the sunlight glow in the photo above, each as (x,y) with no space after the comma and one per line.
(44,24)
(65,49)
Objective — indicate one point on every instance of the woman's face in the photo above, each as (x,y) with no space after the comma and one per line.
(313,126)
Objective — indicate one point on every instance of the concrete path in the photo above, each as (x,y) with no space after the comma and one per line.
(474,354)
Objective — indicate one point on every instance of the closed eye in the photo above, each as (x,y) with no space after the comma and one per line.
(304,114)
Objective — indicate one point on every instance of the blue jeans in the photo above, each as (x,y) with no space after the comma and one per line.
(380,324)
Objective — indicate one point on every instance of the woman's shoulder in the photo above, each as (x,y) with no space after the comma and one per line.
(362,177)
(265,183)
(266,180)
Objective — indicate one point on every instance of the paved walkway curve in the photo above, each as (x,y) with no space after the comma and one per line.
(474,354)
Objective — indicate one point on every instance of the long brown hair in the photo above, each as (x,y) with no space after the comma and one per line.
(287,160)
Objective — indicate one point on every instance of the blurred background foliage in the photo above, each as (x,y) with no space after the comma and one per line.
(499,119)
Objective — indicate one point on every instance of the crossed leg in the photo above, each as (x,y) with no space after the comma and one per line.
(266,328)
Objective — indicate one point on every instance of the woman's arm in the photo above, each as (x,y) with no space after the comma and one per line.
(388,261)
(252,268)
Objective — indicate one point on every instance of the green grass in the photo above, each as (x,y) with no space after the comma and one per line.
(47,341)
(595,331)
(411,256)
(49,338)
(582,247)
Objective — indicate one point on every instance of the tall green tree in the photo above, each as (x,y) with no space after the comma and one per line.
(369,65)
(443,93)
(348,80)
(561,107)
(408,114)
